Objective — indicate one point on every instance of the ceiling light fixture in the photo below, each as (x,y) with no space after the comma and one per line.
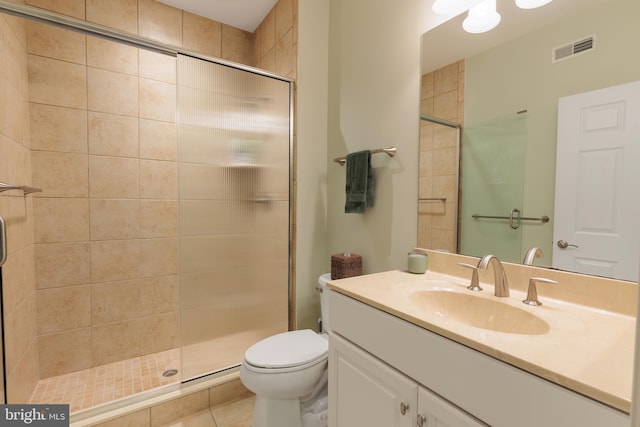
(531,4)
(482,15)
(453,7)
(482,18)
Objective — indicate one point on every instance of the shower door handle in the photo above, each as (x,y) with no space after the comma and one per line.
(3,241)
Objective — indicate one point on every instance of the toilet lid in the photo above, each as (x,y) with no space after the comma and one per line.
(287,349)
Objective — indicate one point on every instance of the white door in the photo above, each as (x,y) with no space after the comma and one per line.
(365,392)
(597,202)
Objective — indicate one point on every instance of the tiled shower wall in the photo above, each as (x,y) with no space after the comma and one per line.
(101,119)
(21,355)
(442,96)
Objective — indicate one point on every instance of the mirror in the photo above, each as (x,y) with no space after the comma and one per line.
(507,71)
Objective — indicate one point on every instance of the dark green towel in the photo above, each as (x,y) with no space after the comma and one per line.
(359,182)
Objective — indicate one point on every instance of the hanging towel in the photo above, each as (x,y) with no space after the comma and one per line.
(359,182)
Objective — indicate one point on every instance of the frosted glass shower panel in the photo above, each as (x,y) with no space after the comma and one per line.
(492,182)
(234,156)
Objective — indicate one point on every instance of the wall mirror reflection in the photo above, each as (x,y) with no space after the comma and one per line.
(549,145)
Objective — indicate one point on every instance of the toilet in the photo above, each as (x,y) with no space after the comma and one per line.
(288,373)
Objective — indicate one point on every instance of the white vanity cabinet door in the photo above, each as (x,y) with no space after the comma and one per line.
(366,392)
(433,411)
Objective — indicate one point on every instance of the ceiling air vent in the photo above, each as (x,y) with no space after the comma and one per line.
(569,50)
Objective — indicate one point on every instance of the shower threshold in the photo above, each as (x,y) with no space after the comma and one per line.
(107,383)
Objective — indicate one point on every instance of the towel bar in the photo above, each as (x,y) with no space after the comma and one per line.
(25,189)
(390,151)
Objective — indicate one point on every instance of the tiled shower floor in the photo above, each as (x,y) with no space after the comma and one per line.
(106,383)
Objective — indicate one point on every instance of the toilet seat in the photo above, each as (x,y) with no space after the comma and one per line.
(287,351)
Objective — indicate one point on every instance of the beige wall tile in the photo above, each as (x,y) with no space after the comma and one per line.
(53,42)
(111,92)
(60,220)
(158,218)
(268,61)
(13,115)
(160,22)
(446,79)
(158,180)
(446,105)
(284,17)
(114,219)
(157,100)
(58,128)
(113,177)
(18,276)
(61,264)
(426,88)
(444,136)
(178,408)
(60,174)
(120,14)
(57,82)
(267,30)
(201,34)
(237,45)
(227,392)
(158,140)
(13,55)
(112,56)
(445,161)
(238,413)
(115,341)
(23,379)
(284,54)
(137,419)
(73,8)
(156,66)
(158,257)
(446,186)
(64,352)
(132,299)
(159,333)
(114,260)
(113,135)
(20,330)
(61,309)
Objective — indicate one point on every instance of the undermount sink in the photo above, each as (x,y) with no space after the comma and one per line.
(480,312)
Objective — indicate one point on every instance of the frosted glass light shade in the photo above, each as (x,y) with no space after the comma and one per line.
(482,18)
(453,7)
(531,4)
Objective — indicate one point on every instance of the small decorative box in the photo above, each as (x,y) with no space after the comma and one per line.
(345,265)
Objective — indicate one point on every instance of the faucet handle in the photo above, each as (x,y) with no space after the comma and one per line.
(532,292)
(475,285)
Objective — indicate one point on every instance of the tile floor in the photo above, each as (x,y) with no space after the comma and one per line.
(238,413)
(106,383)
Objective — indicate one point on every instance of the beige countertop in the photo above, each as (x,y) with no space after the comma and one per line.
(587,350)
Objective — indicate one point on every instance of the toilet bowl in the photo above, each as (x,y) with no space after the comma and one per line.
(288,374)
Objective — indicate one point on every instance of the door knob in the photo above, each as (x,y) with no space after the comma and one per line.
(564,245)
(422,421)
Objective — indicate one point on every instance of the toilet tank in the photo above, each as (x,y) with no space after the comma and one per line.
(324,301)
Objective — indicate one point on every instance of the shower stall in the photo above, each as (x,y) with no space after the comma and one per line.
(158,249)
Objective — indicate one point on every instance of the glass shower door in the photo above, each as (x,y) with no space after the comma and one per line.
(234,178)
(492,183)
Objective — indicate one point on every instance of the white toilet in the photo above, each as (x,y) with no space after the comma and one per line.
(288,374)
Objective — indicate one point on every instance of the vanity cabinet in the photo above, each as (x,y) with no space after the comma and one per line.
(380,363)
(367,392)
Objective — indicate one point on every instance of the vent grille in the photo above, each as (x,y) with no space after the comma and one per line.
(578,47)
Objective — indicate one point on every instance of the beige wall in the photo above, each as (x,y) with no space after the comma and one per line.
(374,97)
(18,283)
(101,118)
(442,96)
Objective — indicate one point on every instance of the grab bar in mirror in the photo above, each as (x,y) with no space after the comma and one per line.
(432,199)
(514,218)
(25,189)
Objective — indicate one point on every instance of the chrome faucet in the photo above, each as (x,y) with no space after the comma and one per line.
(533,252)
(499,275)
